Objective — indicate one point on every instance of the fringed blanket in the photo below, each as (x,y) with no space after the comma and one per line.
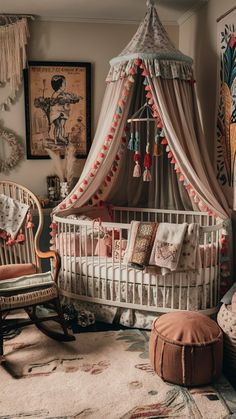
(12,215)
(140,244)
(165,247)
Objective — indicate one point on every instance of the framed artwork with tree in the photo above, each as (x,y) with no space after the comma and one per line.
(57,107)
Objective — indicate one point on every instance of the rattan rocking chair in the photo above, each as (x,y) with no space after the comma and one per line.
(33,288)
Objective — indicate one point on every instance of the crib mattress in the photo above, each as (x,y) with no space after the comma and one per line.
(107,269)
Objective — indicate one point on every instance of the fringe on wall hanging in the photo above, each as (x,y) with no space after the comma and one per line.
(13,40)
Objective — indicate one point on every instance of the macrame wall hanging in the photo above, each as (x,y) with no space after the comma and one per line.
(144,115)
(13,40)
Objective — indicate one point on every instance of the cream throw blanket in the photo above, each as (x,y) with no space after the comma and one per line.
(12,215)
(168,245)
(176,248)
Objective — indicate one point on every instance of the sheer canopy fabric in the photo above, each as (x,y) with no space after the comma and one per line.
(188,175)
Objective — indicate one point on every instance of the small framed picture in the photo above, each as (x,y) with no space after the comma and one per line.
(57,107)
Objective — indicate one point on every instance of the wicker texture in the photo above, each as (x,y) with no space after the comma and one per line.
(186,348)
(227,321)
(28,299)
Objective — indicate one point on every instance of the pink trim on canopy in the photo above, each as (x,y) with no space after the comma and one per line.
(172,97)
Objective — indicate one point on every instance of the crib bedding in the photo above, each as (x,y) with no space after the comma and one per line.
(107,268)
(95,267)
(186,294)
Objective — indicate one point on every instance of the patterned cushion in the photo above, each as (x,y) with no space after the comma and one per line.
(16,270)
(27,282)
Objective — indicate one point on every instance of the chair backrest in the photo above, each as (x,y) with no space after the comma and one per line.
(23,252)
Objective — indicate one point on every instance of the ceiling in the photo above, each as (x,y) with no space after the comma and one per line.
(114,11)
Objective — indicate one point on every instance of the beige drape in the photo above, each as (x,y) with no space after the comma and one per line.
(177,105)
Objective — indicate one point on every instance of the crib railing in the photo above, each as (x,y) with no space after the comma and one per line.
(126,215)
(95,269)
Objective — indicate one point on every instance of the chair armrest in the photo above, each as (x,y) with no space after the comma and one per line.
(56,261)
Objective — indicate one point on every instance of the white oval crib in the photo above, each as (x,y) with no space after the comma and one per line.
(87,274)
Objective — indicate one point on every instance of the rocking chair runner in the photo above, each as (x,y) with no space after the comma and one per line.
(22,285)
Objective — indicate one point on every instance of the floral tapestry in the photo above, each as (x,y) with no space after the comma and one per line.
(226,118)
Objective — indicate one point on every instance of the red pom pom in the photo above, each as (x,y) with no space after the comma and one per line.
(108,178)
(164,141)
(102,155)
(74,197)
(117,157)
(85,182)
(104,147)
(53,225)
(91,174)
(132,71)
(170,155)
(81,190)
(138,61)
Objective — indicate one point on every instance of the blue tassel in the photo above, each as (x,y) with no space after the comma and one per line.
(136,142)
(131,142)
(145,82)
(162,134)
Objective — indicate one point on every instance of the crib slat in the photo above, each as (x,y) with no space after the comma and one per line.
(103,285)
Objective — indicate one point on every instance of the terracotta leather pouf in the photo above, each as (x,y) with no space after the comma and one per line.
(186,348)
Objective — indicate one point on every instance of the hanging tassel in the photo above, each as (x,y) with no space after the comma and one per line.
(147,177)
(132,71)
(20,237)
(162,134)
(136,142)
(131,142)
(155,150)
(137,168)
(10,241)
(29,224)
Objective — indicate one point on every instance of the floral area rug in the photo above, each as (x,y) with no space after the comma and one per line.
(102,375)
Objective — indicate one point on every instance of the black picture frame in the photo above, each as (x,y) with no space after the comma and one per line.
(57,107)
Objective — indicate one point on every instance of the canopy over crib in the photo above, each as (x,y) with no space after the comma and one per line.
(151,63)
